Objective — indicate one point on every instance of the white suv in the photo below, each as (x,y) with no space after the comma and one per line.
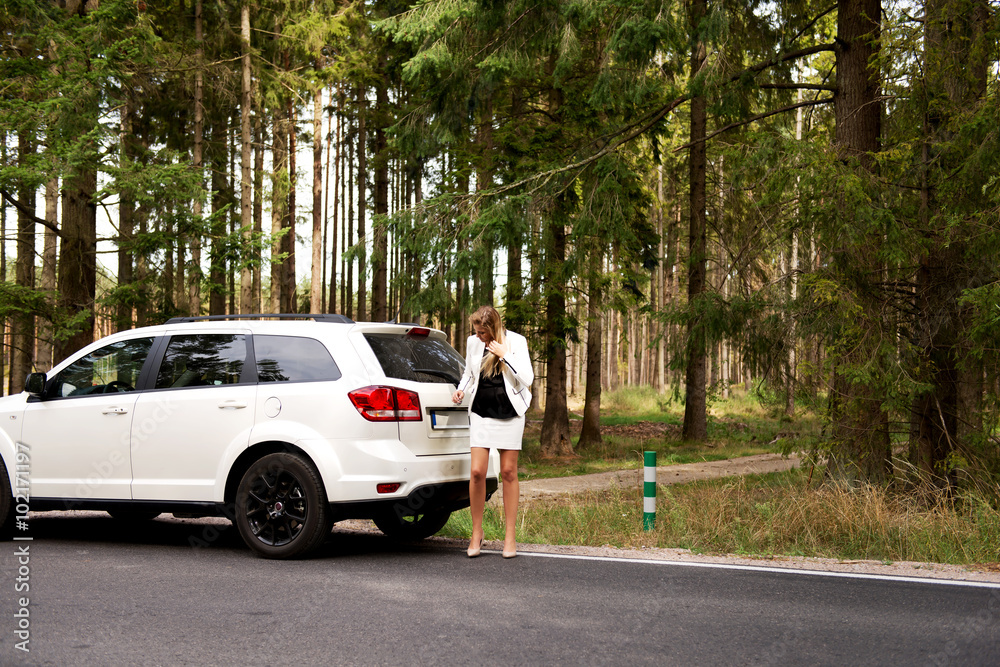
(284,423)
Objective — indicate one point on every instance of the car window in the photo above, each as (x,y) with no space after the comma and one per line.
(417,358)
(293,359)
(202,360)
(110,369)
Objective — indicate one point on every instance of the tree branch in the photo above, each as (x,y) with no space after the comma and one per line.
(637,129)
(791,55)
(799,86)
(813,22)
(807,103)
(640,127)
(25,211)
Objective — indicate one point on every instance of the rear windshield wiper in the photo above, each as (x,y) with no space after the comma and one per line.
(450,377)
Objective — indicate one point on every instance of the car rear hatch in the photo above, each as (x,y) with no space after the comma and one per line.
(422,369)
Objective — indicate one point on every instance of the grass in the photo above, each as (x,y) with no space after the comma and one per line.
(782,514)
(638,419)
(763,515)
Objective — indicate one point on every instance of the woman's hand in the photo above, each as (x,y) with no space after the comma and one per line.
(457,396)
(497,349)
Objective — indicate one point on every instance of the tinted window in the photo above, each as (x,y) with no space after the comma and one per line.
(113,368)
(202,360)
(417,358)
(293,359)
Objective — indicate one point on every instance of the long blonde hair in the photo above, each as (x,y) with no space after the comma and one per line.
(488,318)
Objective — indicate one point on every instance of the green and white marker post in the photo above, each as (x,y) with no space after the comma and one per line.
(648,490)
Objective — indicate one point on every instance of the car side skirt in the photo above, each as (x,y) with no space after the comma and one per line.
(450,496)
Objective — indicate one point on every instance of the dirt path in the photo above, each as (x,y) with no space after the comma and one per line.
(674,474)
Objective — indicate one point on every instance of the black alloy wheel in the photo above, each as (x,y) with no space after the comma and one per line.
(281,507)
(411,527)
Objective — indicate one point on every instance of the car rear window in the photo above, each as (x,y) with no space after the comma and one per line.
(417,358)
(293,359)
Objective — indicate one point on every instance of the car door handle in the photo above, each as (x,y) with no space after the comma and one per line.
(232,405)
(114,411)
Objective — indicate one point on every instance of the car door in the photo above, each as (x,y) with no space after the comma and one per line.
(199,410)
(80,428)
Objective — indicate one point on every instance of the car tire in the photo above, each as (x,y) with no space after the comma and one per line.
(411,528)
(281,507)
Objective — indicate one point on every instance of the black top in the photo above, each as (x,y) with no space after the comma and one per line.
(491,399)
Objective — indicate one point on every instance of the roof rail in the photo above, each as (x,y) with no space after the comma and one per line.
(319,317)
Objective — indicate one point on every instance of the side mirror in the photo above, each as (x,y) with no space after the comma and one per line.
(34,384)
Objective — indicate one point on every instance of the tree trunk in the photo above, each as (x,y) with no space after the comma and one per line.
(246,169)
(316,283)
(197,151)
(696,404)
(590,433)
(515,310)
(555,438)
(484,181)
(362,204)
(790,385)
(661,286)
(860,426)
(334,184)
(792,336)
(126,224)
(78,256)
(417,258)
(217,255)
(232,218)
(462,326)
(380,165)
(348,297)
(672,289)
(279,205)
(258,208)
(288,276)
(3,265)
(956,57)
(44,359)
(614,338)
(22,338)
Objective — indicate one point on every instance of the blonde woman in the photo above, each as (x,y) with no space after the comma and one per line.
(497,380)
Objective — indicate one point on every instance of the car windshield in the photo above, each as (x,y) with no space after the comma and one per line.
(417,358)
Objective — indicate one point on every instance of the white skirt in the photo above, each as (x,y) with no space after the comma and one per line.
(495,433)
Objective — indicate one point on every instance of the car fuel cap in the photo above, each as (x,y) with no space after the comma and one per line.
(272,407)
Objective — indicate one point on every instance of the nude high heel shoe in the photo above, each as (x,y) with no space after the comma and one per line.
(473,552)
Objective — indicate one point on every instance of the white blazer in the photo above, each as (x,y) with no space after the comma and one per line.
(516,367)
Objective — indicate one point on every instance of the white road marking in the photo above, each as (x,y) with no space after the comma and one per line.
(764,568)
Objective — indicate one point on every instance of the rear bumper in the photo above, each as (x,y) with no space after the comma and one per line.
(447,496)
(352,470)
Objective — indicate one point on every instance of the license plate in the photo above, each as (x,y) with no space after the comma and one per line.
(449,420)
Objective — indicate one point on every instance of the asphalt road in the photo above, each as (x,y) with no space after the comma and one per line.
(101,594)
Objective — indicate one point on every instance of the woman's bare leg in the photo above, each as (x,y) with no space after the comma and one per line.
(477,493)
(508,471)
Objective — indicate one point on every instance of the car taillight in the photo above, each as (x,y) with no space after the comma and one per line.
(386,404)
(418,332)
(407,405)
